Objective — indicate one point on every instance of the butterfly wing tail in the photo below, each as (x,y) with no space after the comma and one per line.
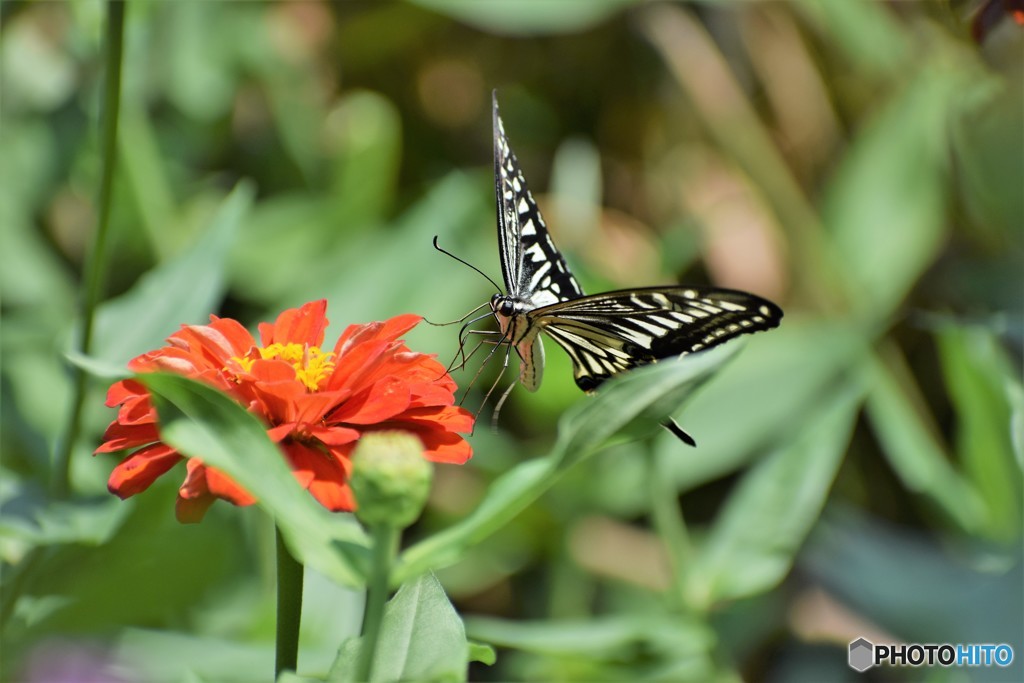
(679,432)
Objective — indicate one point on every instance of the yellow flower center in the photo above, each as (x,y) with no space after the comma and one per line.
(312,366)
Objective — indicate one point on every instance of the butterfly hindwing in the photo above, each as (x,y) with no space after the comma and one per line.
(605,334)
(533,269)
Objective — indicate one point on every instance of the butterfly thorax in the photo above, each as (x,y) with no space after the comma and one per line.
(518,332)
(510,313)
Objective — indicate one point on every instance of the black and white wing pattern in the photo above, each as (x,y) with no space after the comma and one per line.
(534,271)
(604,334)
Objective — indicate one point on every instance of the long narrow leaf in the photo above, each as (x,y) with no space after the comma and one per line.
(752,545)
(915,455)
(976,373)
(644,395)
(184,290)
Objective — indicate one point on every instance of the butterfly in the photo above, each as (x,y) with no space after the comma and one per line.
(604,334)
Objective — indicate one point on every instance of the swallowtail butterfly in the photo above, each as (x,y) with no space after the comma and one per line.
(604,334)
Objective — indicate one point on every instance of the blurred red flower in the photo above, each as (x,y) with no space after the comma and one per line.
(316,405)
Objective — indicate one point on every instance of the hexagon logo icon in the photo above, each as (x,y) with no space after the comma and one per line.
(862,655)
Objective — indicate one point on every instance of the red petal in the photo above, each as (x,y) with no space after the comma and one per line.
(449,418)
(278,433)
(353,365)
(325,475)
(215,344)
(425,395)
(310,408)
(388,330)
(119,392)
(119,437)
(445,447)
(137,410)
(395,327)
(194,498)
(192,510)
(168,359)
(334,436)
(303,325)
(274,371)
(139,470)
(382,401)
(223,486)
(208,482)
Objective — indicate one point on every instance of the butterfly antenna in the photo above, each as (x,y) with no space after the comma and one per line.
(459,320)
(466,263)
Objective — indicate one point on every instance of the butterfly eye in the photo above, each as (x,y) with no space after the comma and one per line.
(503,305)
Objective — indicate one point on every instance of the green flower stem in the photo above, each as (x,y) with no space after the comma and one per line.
(95,265)
(385,547)
(667,518)
(289,608)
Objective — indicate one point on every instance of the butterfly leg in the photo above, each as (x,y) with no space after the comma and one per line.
(455,364)
(487,359)
(678,431)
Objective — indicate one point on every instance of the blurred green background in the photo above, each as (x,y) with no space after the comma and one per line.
(859,470)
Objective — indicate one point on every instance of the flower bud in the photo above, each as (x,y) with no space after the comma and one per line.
(390,479)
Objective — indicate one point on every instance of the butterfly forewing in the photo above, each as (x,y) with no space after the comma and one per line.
(533,268)
(609,333)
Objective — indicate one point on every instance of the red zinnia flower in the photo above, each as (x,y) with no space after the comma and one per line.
(316,405)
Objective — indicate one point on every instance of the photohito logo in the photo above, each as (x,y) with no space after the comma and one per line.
(864,654)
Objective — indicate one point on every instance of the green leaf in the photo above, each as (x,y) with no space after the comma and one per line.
(146,175)
(1015,397)
(32,274)
(509,495)
(870,38)
(200,421)
(977,373)
(511,17)
(753,542)
(914,452)
(604,637)
(171,656)
(98,368)
(479,652)
(81,522)
(366,131)
(184,290)
(886,204)
(644,396)
(112,580)
(422,638)
(891,576)
(762,397)
(670,647)
(292,677)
